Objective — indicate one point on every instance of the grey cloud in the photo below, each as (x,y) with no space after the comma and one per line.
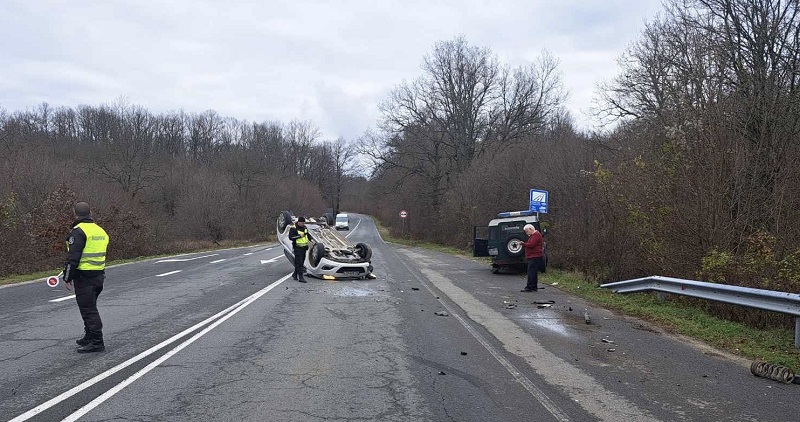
(331,62)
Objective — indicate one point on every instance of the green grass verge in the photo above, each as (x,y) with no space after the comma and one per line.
(387,236)
(773,345)
(20,278)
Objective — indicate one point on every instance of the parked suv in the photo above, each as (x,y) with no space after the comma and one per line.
(503,240)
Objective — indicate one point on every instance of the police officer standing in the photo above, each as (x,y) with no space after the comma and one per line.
(298,234)
(85,268)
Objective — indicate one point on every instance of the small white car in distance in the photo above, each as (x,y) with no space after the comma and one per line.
(342,222)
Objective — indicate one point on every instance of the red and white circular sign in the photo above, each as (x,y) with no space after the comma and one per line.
(52,281)
(403,214)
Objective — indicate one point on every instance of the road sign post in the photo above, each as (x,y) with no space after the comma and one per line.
(403,217)
(538,200)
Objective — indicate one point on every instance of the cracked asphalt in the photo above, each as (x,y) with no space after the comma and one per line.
(359,350)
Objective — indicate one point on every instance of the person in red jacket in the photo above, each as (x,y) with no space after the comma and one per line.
(535,257)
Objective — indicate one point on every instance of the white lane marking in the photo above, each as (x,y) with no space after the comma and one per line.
(39,280)
(270,260)
(61,299)
(264,250)
(86,384)
(354,228)
(186,259)
(117,388)
(169,273)
(540,395)
(248,254)
(219,260)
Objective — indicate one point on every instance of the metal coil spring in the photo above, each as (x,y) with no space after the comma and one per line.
(771,371)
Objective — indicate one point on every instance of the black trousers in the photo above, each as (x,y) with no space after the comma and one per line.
(534,264)
(299,260)
(87,289)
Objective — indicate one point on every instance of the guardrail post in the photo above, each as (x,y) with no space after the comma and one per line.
(661,296)
(797,332)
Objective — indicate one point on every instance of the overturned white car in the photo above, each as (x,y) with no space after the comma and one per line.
(330,255)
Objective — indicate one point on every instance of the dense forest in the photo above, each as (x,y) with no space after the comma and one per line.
(697,174)
(698,177)
(157,182)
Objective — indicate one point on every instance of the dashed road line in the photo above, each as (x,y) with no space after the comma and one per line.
(98,378)
(128,381)
(185,259)
(219,260)
(61,299)
(169,273)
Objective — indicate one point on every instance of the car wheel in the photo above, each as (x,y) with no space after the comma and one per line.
(364,251)
(284,219)
(515,246)
(317,252)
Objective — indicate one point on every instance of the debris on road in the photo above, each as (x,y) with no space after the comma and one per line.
(442,373)
(586,317)
(612,350)
(463,353)
(605,340)
(511,305)
(544,305)
(555,283)
(441,313)
(415,288)
(774,372)
(543,302)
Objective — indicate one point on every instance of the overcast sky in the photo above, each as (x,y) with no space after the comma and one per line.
(330,62)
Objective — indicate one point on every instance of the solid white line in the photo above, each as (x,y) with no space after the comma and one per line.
(354,228)
(186,259)
(61,299)
(169,273)
(219,260)
(537,393)
(117,388)
(86,384)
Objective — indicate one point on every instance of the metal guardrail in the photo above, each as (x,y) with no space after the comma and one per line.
(769,300)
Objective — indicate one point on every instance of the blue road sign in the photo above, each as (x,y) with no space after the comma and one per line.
(539,201)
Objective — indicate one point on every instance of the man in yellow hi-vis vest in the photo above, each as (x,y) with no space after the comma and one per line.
(298,234)
(85,268)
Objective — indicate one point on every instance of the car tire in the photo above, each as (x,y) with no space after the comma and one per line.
(328,219)
(317,252)
(364,251)
(284,219)
(514,246)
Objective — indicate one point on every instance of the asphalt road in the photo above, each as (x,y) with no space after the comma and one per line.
(229,336)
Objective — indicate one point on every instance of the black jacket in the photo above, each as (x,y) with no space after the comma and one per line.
(77,241)
(293,236)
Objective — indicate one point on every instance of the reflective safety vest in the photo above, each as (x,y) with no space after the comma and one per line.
(93,257)
(302,241)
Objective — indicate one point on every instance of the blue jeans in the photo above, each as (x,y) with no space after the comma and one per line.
(534,264)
